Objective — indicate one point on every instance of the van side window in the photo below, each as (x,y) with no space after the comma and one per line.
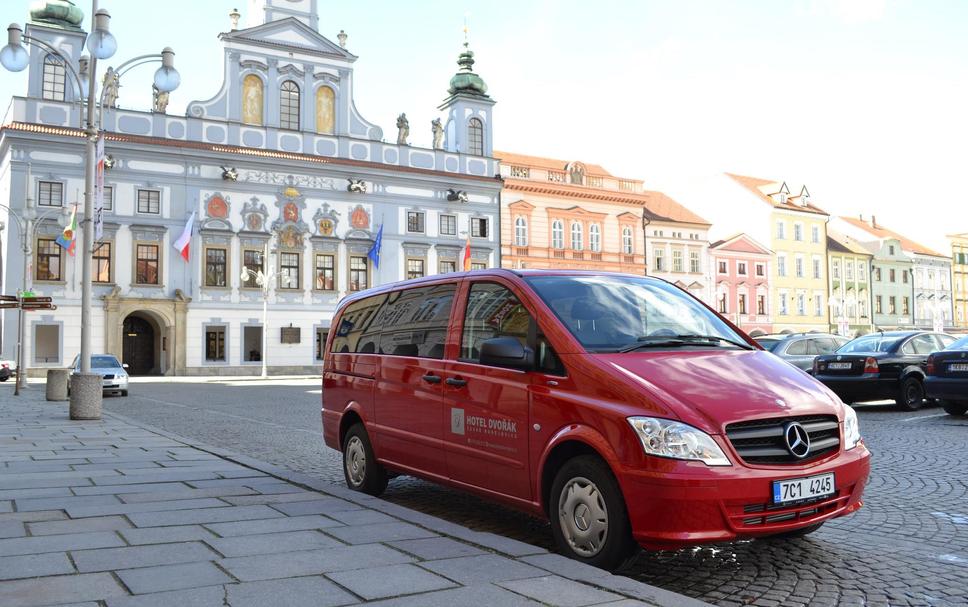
(492,311)
(546,360)
(359,329)
(415,321)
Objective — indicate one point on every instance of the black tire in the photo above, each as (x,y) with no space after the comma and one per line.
(360,468)
(796,534)
(124,392)
(911,395)
(953,408)
(613,545)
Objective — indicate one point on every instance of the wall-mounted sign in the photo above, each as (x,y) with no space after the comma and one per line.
(289,335)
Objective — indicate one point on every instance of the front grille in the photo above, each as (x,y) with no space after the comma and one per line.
(768,514)
(109,377)
(761,441)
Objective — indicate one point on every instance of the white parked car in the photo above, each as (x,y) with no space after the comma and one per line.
(113,373)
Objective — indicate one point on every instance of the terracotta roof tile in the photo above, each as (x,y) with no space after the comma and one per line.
(548,163)
(659,206)
(764,187)
(879,231)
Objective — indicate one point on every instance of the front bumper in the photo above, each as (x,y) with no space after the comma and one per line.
(697,504)
(114,384)
(858,388)
(946,388)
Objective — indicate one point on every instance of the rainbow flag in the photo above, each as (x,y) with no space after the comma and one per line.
(68,238)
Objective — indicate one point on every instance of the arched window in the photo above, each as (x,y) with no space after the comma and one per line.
(252,90)
(595,238)
(55,77)
(576,236)
(289,105)
(557,234)
(627,246)
(475,137)
(325,110)
(521,232)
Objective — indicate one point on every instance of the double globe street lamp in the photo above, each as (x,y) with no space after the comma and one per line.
(102,46)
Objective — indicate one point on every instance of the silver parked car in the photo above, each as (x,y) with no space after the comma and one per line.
(113,373)
(799,349)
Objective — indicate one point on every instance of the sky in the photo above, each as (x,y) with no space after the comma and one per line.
(864,101)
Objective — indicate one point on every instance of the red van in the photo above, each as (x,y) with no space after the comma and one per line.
(618,406)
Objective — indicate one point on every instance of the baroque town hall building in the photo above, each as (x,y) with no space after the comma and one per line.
(284,176)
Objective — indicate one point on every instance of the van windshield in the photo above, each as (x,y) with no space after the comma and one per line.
(613,313)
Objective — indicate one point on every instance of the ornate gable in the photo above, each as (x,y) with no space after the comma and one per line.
(289,34)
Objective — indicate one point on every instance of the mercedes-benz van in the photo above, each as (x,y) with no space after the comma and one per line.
(618,406)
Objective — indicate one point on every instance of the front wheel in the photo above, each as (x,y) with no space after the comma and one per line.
(360,468)
(589,520)
(952,408)
(124,392)
(911,396)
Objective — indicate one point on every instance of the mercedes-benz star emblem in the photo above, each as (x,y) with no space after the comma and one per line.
(797,440)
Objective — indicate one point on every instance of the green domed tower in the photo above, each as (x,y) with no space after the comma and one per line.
(469,128)
(57,13)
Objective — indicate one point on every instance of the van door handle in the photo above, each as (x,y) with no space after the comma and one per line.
(431,379)
(456,381)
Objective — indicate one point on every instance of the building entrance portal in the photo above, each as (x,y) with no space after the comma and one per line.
(138,345)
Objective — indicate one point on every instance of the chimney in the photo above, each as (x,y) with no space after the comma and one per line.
(862,217)
(873,221)
(234,19)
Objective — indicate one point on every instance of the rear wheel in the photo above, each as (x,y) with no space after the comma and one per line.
(589,520)
(952,408)
(797,533)
(911,396)
(360,468)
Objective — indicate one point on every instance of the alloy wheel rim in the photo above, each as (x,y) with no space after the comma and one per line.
(583,517)
(355,461)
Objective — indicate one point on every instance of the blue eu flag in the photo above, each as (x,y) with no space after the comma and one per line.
(374,252)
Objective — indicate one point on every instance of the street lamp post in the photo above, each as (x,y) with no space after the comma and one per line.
(102,45)
(264,280)
(25,227)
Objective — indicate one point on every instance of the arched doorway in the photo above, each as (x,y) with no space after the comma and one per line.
(138,345)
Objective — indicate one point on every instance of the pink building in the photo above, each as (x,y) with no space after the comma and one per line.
(741,283)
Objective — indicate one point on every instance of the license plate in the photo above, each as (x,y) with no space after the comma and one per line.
(801,489)
(839,365)
(958,367)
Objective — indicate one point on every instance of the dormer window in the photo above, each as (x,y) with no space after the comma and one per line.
(289,105)
(780,197)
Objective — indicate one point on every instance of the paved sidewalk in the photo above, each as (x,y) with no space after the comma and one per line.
(111,513)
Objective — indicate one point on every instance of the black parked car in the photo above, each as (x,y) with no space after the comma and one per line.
(947,378)
(882,365)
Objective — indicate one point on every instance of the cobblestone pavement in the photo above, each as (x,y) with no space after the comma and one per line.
(103,513)
(907,546)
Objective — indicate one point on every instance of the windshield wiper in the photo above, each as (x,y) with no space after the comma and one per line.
(660,341)
(715,338)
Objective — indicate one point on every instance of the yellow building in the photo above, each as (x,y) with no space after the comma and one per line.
(959,277)
(798,238)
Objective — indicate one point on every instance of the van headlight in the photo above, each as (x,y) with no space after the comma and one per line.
(851,428)
(667,438)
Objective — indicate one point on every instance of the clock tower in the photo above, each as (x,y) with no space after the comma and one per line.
(265,11)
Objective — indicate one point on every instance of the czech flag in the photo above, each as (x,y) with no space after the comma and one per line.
(467,255)
(183,242)
(68,237)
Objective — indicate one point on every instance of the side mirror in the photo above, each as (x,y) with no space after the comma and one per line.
(506,352)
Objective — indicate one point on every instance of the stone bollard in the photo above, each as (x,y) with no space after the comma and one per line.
(57,383)
(86,392)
